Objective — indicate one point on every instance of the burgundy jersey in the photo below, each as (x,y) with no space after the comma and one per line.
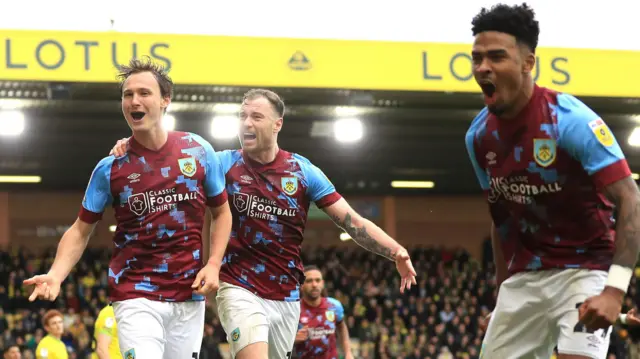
(269,204)
(321,322)
(159,199)
(543,173)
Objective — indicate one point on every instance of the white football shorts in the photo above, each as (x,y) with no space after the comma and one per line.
(248,319)
(537,311)
(159,330)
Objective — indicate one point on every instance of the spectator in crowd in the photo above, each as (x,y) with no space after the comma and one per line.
(52,346)
(12,352)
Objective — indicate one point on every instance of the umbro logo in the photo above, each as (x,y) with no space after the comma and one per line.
(134,177)
(491,158)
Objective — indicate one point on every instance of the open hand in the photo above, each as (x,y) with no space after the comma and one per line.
(120,148)
(405,268)
(47,287)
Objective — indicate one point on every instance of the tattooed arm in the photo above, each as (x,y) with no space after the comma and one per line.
(364,232)
(625,195)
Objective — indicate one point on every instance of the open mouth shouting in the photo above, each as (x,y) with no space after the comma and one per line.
(489,91)
(248,137)
(137,116)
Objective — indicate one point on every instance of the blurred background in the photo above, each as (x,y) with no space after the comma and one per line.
(378,97)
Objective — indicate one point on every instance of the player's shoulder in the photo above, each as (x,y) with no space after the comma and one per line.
(45,342)
(234,154)
(309,170)
(302,161)
(104,166)
(228,158)
(479,122)
(107,311)
(570,107)
(477,127)
(334,303)
(574,116)
(107,162)
(191,138)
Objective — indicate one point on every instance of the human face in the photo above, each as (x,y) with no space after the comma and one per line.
(313,284)
(500,67)
(13,353)
(55,326)
(142,102)
(259,125)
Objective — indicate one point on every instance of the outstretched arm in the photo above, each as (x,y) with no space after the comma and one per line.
(364,232)
(372,238)
(72,245)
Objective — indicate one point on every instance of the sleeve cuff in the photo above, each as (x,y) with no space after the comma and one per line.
(612,173)
(218,200)
(328,200)
(89,217)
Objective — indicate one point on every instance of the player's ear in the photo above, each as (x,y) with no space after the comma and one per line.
(166,101)
(278,125)
(529,62)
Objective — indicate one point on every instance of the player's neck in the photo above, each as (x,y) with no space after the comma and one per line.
(521,101)
(266,156)
(312,302)
(58,337)
(153,139)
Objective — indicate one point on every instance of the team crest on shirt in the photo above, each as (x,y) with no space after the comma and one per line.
(289,185)
(602,132)
(130,354)
(187,166)
(544,151)
(331,316)
(235,334)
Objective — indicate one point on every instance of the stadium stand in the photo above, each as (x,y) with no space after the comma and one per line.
(438,319)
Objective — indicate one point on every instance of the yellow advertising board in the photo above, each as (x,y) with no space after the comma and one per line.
(248,61)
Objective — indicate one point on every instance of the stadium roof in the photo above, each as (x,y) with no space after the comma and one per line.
(408,135)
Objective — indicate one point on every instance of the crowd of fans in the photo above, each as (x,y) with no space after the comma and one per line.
(438,319)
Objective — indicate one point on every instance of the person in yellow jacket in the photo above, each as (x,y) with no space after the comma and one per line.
(106,336)
(51,346)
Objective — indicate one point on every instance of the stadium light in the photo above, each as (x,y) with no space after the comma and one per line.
(345,236)
(20,179)
(635,176)
(169,122)
(11,123)
(224,127)
(112,228)
(634,137)
(347,111)
(226,108)
(412,184)
(348,130)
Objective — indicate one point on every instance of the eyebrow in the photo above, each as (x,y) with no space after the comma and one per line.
(136,89)
(490,52)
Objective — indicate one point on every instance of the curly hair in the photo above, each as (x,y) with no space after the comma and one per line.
(145,64)
(517,20)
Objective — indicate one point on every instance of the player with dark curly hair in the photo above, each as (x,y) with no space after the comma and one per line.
(552,172)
